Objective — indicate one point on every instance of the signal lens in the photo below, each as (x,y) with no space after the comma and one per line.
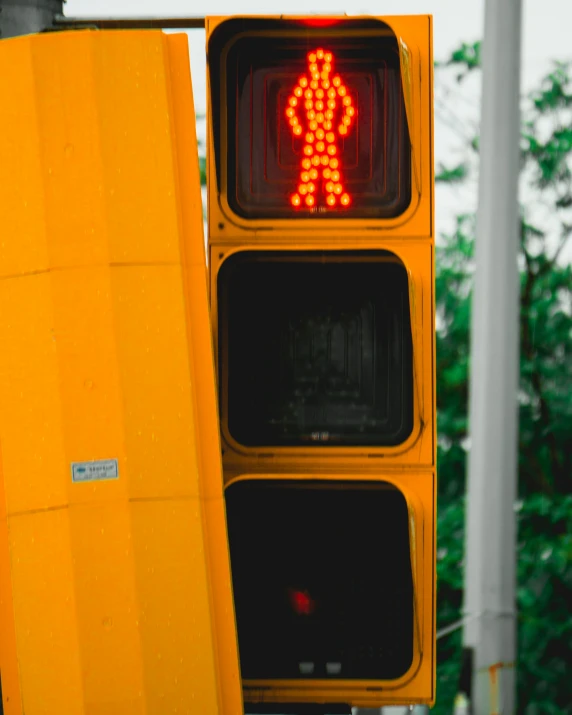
(325,359)
(344,607)
(351,89)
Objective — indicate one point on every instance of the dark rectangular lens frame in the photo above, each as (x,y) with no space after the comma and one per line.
(261,65)
(346,546)
(315,349)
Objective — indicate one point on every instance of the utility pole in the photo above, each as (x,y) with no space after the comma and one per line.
(490,608)
(22,17)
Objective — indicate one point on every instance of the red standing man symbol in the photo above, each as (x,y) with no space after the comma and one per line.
(327,115)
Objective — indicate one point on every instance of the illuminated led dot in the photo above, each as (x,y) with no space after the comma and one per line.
(309,137)
(310,201)
(292,101)
(332,149)
(308,104)
(308,94)
(313,174)
(293,121)
(320,93)
(347,121)
(298,92)
(342,129)
(313,67)
(346,101)
(337,189)
(319,105)
(324,159)
(320,117)
(327,174)
(350,111)
(327,125)
(303,82)
(308,151)
(335,176)
(315,77)
(311,114)
(306,163)
(328,56)
(311,188)
(334,163)
(326,84)
(330,200)
(330,137)
(324,75)
(327,67)
(329,115)
(290,112)
(332,93)
(313,125)
(345,200)
(331,103)
(312,57)
(320,134)
(342,91)
(320,146)
(314,84)
(319,53)
(303,189)
(317,159)
(305,177)
(336,81)
(295,200)
(330,187)
(297,130)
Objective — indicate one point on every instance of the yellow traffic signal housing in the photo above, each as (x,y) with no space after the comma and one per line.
(115,590)
(321,253)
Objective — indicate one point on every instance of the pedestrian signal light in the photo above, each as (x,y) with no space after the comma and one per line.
(316,102)
(320,185)
(313,122)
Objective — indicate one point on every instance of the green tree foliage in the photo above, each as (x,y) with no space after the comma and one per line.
(545,403)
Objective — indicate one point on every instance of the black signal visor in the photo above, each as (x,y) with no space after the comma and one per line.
(341,550)
(310,120)
(315,349)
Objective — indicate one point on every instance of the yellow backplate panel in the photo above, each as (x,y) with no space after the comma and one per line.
(115,590)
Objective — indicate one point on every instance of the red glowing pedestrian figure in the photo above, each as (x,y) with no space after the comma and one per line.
(320,98)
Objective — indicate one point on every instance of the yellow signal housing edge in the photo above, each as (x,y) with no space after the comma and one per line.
(115,592)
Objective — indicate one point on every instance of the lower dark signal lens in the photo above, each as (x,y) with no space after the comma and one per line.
(347,616)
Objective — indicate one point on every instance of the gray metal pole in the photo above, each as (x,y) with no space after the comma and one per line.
(490,607)
(22,17)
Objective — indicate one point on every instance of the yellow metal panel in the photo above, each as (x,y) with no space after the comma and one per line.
(46,623)
(173,606)
(21,176)
(119,597)
(30,406)
(154,374)
(11,693)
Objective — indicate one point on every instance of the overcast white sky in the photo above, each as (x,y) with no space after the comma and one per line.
(546,36)
(546,23)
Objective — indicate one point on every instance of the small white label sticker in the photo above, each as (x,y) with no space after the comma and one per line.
(95,471)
